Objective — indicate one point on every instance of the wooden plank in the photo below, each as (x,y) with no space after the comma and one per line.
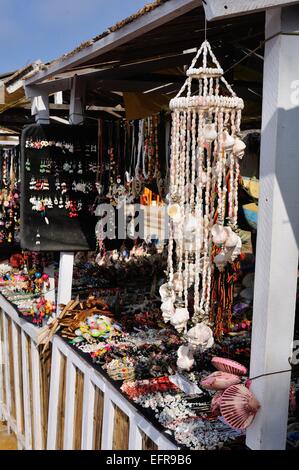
(76,115)
(135,437)
(26,391)
(36,397)
(157,17)
(61,404)
(219,9)
(66,267)
(11,354)
(79,388)
(108,422)
(70,404)
(98,419)
(17,381)
(120,430)
(45,371)
(40,108)
(88,414)
(278,233)
(7,369)
(54,400)
(147,443)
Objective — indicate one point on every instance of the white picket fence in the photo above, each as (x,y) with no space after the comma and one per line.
(76,409)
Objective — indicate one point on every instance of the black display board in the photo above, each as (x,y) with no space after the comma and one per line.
(59,171)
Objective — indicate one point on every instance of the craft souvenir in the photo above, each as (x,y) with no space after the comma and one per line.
(180,318)
(205,148)
(238,406)
(228,365)
(220,381)
(185,358)
(200,337)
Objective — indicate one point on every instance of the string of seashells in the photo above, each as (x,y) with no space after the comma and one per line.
(202,201)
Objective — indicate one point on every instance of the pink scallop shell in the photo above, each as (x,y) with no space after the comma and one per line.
(238,407)
(219,381)
(228,365)
(215,404)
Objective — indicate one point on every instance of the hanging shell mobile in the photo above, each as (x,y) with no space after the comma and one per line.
(203,199)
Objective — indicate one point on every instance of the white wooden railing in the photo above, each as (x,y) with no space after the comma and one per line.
(76,409)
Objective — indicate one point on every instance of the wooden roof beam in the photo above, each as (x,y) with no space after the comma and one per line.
(165,13)
(220,9)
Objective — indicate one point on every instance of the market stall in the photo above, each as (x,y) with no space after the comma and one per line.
(152,333)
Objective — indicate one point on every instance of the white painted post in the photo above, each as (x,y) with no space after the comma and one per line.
(26,392)
(40,108)
(277,240)
(65,281)
(58,97)
(16,366)
(50,294)
(76,103)
(88,413)
(69,406)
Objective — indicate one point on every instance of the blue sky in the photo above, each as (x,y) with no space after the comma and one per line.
(46,29)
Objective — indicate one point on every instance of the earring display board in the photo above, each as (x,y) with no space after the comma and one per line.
(59,168)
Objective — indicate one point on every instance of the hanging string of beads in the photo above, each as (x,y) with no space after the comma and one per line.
(203,196)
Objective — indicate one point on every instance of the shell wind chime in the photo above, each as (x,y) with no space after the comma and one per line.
(203,195)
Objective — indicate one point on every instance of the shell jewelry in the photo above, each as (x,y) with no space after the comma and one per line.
(203,194)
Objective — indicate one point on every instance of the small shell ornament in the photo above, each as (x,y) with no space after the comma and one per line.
(228,141)
(238,406)
(185,358)
(166,292)
(219,234)
(200,337)
(174,212)
(221,260)
(232,238)
(239,148)
(177,282)
(209,133)
(190,227)
(228,365)
(220,381)
(180,319)
(167,308)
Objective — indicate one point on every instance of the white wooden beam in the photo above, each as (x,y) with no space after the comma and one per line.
(66,267)
(219,9)
(278,232)
(40,108)
(165,13)
(77,101)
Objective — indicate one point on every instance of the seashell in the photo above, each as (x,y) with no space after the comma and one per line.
(201,179)
(200,337)
(238,406)
(228,141)
(209,132)
(239,148)
(221,260)
(180,318)
(232,238)
(228,365)
(174,212)
(215,404)
(166,292)
(219,234)
(236,250)
(219,381)
(167,305)
(185,358)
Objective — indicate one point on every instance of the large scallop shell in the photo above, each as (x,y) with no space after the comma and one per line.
(238,407)
(228,365)
(215,404)
(219,381)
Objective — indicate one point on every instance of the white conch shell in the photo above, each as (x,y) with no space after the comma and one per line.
(166,292)
(209,132)
(237,250)
(200,336)
(239,148)
(232,238)
(228,141)
(221,260)
(167,309)
(180,318)
(174,212)
(185,358)
(219,234)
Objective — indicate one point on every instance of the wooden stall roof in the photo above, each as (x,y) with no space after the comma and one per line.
(149,64)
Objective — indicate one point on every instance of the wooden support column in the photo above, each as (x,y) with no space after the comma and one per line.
(278,228)
(77,101)
(40,108)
